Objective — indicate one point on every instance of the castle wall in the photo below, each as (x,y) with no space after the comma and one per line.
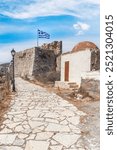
(56,46)
(42,62)
(24,62)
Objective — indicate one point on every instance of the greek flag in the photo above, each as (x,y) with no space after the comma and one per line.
(42,34)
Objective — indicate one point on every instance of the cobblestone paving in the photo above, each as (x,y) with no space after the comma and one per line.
(39,120)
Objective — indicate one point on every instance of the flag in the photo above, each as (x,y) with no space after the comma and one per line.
(42,34)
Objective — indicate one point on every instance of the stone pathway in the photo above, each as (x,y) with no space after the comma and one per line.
(39,120)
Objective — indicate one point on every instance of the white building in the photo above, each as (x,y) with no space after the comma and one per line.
(83,58)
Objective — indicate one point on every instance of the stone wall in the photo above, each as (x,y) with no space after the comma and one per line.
(42,62)
(90,85)
(56,46)
(58,63)
(4,86)
(4,81)
(95,59)
(4,68)
(24,62)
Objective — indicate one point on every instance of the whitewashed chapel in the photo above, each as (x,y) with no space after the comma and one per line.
(84,57)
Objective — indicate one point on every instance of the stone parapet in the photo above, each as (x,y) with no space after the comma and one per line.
(95,75)
(56,46)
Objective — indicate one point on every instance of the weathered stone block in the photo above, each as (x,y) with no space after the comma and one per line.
(91,88)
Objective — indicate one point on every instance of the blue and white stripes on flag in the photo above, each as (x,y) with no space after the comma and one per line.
(42,34)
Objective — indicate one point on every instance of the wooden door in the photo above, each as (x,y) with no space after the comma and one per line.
(66,75)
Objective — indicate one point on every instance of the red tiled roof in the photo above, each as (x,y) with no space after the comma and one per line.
(84,45)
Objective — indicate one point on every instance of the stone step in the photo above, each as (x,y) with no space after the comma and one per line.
(67,85)
(74,86)
(71,83)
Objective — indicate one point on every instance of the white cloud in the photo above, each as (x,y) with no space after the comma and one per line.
(92,1)
(81,27)
(5,56)
(36,8)
(5,52)
(5,28)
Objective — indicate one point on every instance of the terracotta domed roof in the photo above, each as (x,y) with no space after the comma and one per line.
(84,45)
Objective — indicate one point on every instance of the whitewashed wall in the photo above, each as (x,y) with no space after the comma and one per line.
(79,62)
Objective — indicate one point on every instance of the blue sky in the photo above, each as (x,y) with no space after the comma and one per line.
(71,21)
